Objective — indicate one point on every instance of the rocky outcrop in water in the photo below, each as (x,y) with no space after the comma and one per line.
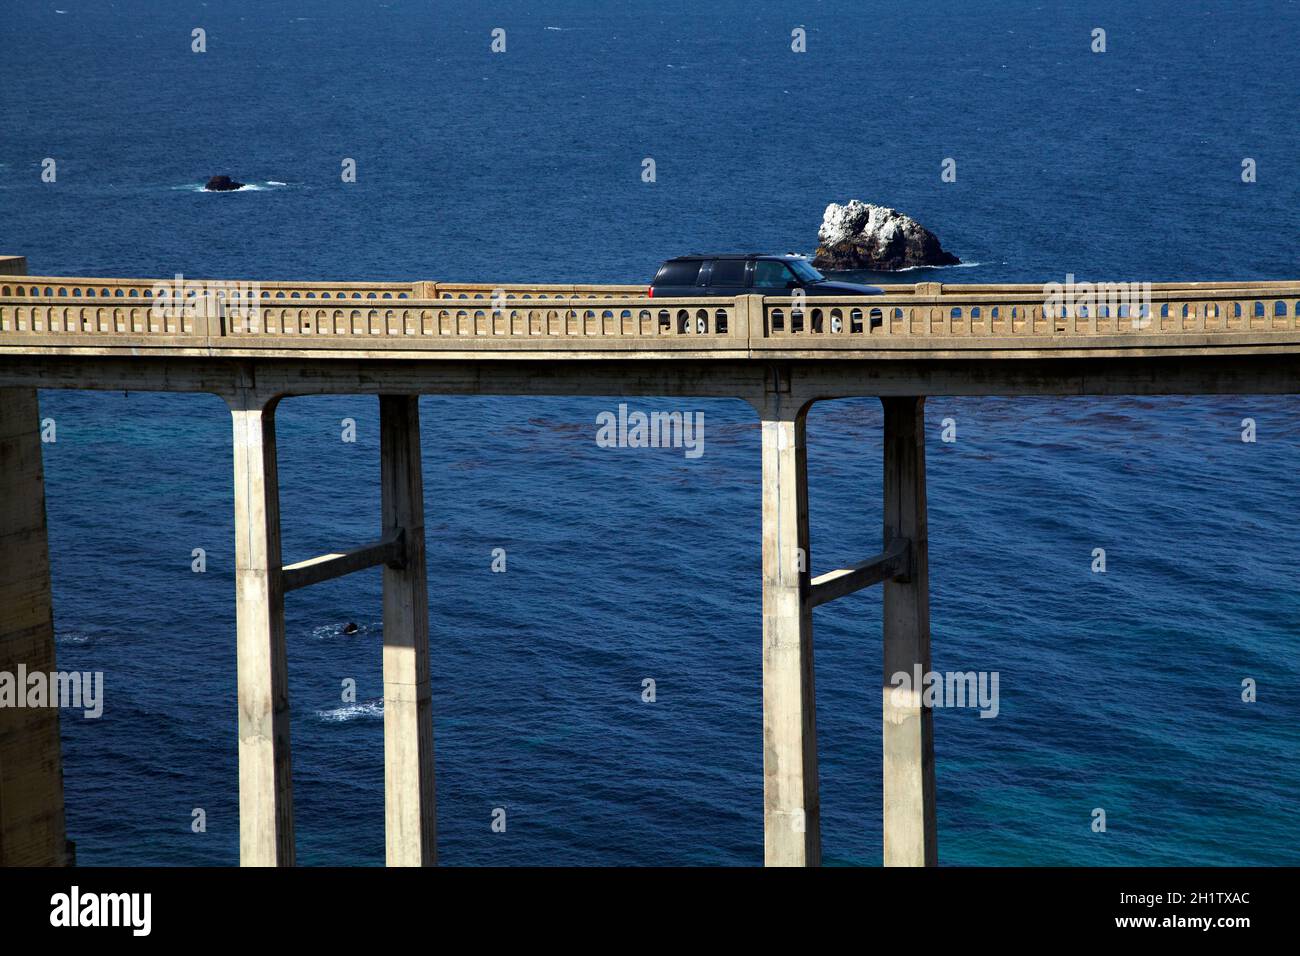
(221,184)
(861,235)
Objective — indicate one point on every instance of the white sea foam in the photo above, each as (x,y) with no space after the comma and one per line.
(339,715)
(954,265)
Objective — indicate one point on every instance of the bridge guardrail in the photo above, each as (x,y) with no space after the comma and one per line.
(1011,312)
(45,310)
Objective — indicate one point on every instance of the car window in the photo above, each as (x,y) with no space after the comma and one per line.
(771,274)
(728,272)
(804,270)
(678,273)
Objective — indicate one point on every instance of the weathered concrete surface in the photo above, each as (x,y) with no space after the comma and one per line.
(475,323)
(813,379)
(265,780)
(791,804)
(31,766)
(31,763)
(410,815)
(910,831)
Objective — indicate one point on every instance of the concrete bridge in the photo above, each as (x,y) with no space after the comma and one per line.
(256,344)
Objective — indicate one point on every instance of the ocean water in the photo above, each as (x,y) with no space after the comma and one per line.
(1118,690)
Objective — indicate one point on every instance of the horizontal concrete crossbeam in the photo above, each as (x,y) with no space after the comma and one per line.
(389,550)
(886,566)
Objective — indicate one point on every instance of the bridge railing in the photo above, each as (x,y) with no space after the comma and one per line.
(71,287)
(45,310)
(989,312)
(488,292)
(606,318)
(244,321)
(91,288)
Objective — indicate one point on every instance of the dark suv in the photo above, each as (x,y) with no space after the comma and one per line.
(747,273)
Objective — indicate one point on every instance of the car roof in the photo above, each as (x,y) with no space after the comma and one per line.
(732,255)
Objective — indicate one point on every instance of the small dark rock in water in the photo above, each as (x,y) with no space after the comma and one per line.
(220,184)
(860,235)
(350,628)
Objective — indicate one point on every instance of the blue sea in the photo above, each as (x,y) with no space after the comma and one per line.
(1119,691)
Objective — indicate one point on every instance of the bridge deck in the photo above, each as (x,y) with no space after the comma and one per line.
(394,320)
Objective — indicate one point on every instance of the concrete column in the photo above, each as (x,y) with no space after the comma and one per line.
(265,781)
(908,727)
(791,806)
(410,815)
(31,765)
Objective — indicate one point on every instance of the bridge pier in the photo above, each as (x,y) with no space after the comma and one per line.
(265,777)
(31,760)
(791,800)
(791,804)
(266,831)
(410,814)
(909,827)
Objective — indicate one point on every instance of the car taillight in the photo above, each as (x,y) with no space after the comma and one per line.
(650,292)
